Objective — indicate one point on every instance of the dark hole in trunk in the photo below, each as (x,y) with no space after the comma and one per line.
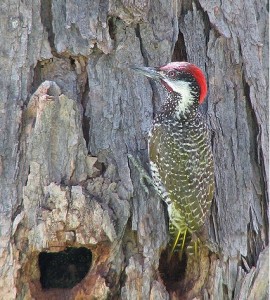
(64,269)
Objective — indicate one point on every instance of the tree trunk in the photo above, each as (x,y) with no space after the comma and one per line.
(75,220)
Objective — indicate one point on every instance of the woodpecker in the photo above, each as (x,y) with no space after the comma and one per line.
(179,148)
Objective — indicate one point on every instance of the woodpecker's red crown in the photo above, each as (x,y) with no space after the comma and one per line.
(178,70)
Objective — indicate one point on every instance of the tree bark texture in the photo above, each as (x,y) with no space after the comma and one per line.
(71,110)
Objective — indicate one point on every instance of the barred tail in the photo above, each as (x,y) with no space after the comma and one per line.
(181,241)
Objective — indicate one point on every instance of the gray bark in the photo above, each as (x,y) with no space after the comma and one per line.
(70,112)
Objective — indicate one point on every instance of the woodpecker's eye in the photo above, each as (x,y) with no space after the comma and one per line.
(172,74)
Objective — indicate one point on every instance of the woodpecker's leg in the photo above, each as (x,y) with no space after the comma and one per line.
(144,177)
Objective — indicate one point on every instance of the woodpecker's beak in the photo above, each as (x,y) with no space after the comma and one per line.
(149,72)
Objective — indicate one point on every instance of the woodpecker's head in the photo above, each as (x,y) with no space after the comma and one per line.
(185,83)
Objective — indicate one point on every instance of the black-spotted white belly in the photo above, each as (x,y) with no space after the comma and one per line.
(181,165)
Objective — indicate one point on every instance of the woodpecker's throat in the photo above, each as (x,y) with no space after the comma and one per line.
(182,100)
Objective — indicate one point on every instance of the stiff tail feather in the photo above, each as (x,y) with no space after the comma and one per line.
(182,242)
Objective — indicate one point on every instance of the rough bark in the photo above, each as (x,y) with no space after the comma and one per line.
(70,112)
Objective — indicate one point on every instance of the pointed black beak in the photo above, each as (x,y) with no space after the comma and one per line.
(148,71)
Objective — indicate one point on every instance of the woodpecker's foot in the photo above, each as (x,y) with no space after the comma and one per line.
(144,177)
